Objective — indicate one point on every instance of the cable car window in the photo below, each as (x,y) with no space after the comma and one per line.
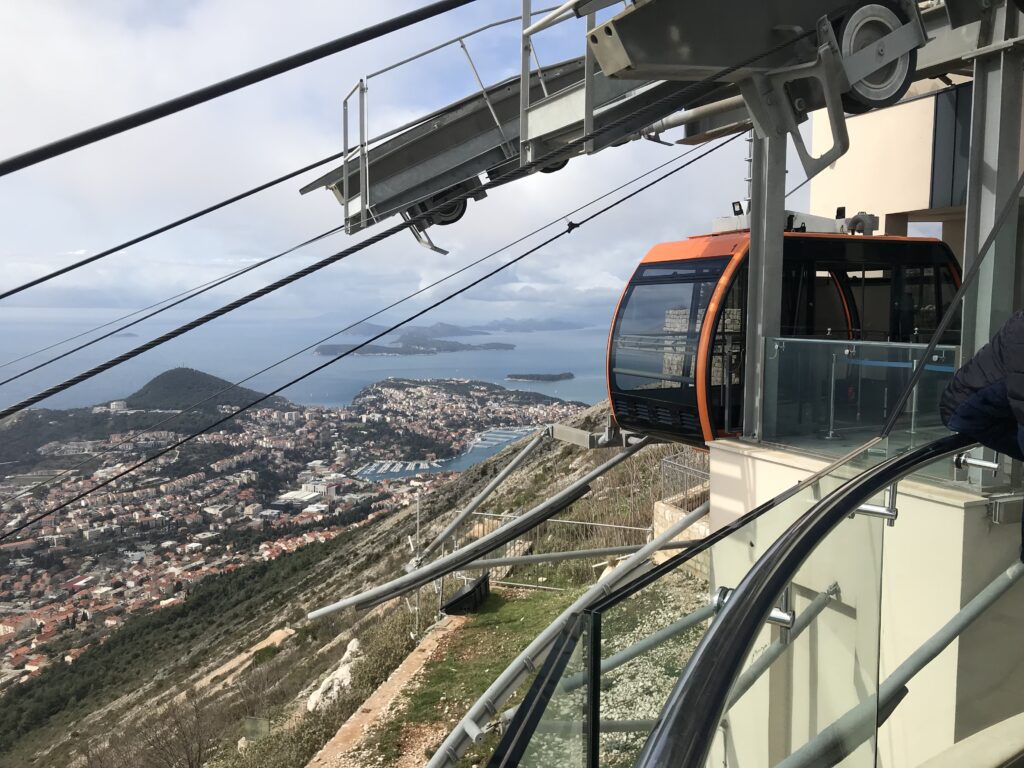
(655,342)
(872,291)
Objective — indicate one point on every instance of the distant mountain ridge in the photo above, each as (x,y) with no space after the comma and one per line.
(181,388)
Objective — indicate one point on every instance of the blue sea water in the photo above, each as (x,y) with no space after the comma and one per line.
(235,350)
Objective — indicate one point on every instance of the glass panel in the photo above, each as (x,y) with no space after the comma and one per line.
(647,635)
(830,396)
(560,736)
(800,679)
(658,328)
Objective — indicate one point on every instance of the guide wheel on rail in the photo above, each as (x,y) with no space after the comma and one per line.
(864,28)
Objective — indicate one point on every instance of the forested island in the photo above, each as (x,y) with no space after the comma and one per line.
(540,376)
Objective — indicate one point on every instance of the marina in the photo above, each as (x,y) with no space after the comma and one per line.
(483,446)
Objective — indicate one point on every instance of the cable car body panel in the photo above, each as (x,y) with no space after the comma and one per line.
(676,348)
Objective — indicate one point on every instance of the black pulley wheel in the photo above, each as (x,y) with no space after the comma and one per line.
(863,28)
(450,213)
(560,164)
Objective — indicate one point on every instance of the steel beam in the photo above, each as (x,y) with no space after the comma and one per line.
(579,554)
(764,278)
(480,498)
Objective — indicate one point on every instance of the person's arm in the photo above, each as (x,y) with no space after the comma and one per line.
(1011,348)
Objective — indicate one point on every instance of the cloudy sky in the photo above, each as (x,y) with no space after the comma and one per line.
(67,65)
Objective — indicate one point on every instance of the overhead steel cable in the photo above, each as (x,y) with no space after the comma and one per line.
(367,318)
(212,208)
(670,103)
(224,87)
(197,292)
(569,229)
(167,227)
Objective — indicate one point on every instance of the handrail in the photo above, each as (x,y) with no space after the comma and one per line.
(690,718)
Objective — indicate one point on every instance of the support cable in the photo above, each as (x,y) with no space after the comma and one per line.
(184,297)
(197,288)
(444,300)
(217,206)
(350,326)
(167,227)
(672,102)
(224,87)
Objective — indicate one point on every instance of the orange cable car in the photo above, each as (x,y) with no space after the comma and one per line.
(676,350)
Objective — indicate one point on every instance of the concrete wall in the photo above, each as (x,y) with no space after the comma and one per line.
(898,586)
(888,169)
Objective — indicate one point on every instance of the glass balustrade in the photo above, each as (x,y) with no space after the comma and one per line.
(827,397)
(615,671)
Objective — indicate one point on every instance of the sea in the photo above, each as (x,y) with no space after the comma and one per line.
(235,350)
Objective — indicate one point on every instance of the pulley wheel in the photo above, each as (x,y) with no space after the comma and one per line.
(864,28)
(450,212)
(560,164)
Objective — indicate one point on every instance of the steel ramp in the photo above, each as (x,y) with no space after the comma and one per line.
(444,154)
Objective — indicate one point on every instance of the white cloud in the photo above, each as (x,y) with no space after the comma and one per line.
(68,65)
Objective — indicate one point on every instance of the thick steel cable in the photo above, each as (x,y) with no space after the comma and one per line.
(367,318)
(569,229)
(197,292)
(191,217)
(645,115)
(167,227)
(224,87)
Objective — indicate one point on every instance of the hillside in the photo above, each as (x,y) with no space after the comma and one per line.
(179,388)
(121,703)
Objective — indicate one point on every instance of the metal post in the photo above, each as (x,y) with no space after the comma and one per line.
(764,281)
(589,66)
(524,85)
(831,434)
(364,157)
(592,723)
(344,161)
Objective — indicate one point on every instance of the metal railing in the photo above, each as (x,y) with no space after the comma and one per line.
(360,153)
(685,479)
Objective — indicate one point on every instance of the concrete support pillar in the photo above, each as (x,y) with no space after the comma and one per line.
(764,283)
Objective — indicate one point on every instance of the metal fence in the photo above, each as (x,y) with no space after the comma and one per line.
(685,479)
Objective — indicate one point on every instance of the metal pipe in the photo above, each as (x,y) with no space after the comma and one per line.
(570,522)
(555,17)
(847,733)
(364,157)
(461,557)
(487,99)
(558,557)
(456,743)
(697,113)
(776,649)
(653,640)
(481,497)
(446,43)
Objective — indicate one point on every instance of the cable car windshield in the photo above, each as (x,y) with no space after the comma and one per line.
(654,346)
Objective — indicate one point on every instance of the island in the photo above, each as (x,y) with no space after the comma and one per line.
(540,376)
(411,344)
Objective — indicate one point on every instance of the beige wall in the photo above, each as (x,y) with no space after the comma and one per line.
(925,579)
(888,167)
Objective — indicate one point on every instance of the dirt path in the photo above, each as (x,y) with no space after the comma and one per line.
(337,752)
(225,673)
